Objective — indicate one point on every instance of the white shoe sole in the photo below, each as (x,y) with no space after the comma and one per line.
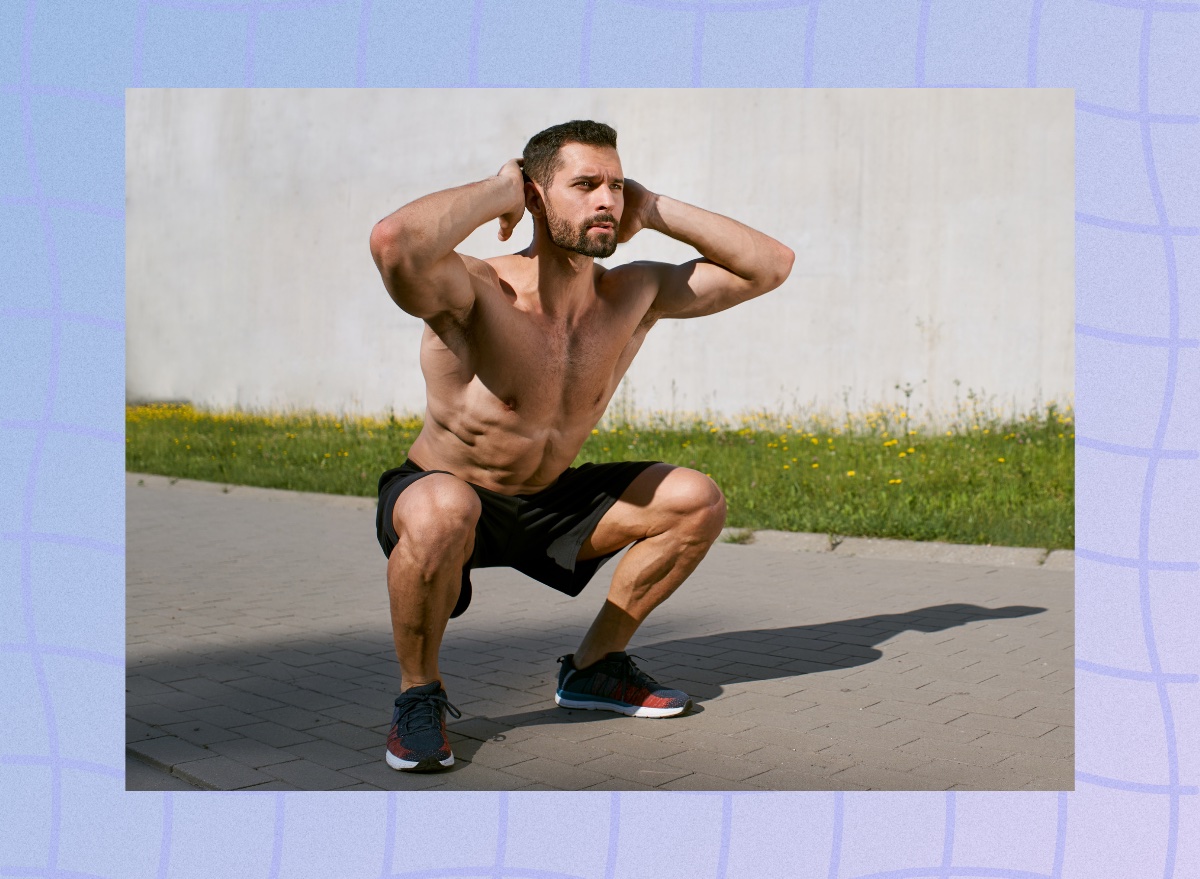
(627,710)
(421,765)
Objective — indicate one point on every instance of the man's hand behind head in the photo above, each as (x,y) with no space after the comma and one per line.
(638,212)
(512,173)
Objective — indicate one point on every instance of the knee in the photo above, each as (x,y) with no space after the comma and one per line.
(437,514)
(697,500)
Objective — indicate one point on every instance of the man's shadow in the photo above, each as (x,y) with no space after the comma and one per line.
(766,654)
(712,662)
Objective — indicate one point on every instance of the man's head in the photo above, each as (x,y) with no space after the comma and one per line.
(577,179)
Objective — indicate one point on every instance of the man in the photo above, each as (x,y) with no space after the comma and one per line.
(521,355)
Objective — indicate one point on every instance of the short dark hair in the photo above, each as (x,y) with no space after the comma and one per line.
(541,153)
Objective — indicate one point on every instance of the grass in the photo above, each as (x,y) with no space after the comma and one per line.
(1008,483)
(739,535)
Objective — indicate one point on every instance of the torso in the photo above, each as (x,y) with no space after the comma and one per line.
(513,393)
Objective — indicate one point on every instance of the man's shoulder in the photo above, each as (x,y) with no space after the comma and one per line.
(640,274)
(642,279)
(486,269)
(643,271)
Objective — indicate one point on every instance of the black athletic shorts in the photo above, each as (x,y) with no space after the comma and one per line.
(538,534)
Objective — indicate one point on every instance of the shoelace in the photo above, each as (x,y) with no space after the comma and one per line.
(625,672)
(631,674)
(416,713)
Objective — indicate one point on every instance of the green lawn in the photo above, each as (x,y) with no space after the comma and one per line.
(1006,483)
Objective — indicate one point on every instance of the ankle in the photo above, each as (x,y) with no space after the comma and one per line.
(407,683)
(583,660)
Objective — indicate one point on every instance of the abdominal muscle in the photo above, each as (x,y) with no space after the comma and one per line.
(483,441)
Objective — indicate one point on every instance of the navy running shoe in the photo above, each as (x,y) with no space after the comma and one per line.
(615,683)
(417,740)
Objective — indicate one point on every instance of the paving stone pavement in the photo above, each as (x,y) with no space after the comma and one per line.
(259,657)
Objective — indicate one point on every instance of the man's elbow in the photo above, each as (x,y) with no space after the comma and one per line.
(391,247)
(383,239)
(778,267)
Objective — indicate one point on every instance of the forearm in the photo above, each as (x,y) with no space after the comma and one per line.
(428,229)
(734,246)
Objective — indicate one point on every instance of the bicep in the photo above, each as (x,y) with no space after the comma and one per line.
(697,288)
(444,286)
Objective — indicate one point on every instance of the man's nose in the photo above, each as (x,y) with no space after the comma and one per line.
(605,200)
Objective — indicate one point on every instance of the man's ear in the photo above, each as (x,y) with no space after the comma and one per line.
(533,199)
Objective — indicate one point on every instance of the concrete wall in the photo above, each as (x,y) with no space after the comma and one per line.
(933,233)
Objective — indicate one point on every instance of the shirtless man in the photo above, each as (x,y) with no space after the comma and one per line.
(521,355)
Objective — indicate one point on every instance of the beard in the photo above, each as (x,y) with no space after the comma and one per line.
(578,239)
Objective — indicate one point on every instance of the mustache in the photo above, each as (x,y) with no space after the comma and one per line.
(603,218)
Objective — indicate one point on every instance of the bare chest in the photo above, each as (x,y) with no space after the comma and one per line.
(541,365)
(541,368)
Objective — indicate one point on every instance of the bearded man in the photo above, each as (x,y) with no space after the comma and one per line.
(521,355)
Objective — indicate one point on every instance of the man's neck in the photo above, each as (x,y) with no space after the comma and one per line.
(563,279)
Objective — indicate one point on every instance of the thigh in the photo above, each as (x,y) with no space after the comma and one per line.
(653,502)
(429,506)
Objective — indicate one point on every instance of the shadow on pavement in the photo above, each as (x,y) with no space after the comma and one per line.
(705,664)
(275,692)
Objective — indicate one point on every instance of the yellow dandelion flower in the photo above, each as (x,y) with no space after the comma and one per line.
(787,467)
(849,472)
(904,454)
(911,450)
(595,432)
(815,465)
(1000,460)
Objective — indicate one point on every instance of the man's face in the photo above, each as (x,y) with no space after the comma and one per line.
(584,201)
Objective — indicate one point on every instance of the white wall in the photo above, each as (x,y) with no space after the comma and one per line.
(933,233)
